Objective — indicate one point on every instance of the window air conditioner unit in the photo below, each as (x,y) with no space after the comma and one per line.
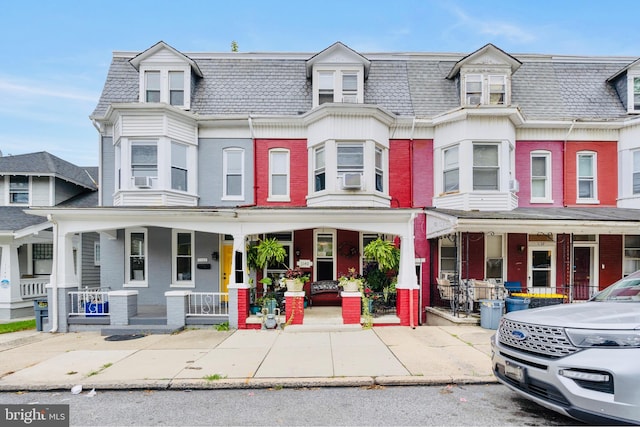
(474,100)
(142,181)
(350,99)
(514,185)
(351,181)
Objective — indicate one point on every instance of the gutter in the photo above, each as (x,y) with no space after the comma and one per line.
(54,275)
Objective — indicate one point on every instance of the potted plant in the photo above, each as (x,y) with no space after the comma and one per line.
(295,279)
(268,251)
(352,281)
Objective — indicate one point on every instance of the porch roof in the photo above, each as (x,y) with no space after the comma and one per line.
(571,220)
(14,219)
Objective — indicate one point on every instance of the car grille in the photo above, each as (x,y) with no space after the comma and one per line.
(545,341)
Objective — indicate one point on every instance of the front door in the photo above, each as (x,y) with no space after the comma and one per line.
(541,268)
(227,254)
(581,272)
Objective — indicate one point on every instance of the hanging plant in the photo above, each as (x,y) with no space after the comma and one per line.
(268,251)
(384,253)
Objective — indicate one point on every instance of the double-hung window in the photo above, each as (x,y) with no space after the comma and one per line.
(451,170)
(636,172)
(176,88)
(486,169)
(586,163)
(279,174)
(473,89)
(350,88)
(636,93)
(19,190)
(183,261)
(325,87)
(144,163)
(497,90)
(319,172)
(540,179)
(178,167)
(152,86)
(631,254)
(483,89)
(233,169)
(351,164)
(379,170)
(136,244)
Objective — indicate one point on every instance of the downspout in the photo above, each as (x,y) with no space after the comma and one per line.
(54,275)
(255,157)
(564,163)
(412,228)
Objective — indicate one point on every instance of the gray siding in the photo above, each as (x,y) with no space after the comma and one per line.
(90,271)
(112,261)
(210,171)
(40,191)
(107,170)
(207,280)
(65,190)
(2,191)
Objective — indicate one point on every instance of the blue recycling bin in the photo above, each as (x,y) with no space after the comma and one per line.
(41,310)
(490,313)
(515,304)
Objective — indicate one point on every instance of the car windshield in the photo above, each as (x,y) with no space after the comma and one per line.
(627,289)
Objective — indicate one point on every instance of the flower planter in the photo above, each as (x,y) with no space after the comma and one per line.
(294,285)
(350,286)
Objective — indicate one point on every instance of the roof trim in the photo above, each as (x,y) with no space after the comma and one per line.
(508,59)
(337,47)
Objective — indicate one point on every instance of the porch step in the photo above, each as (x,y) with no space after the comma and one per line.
(320,327)
(144,320)
(139,330)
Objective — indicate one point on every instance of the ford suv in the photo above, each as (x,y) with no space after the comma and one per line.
(581,359)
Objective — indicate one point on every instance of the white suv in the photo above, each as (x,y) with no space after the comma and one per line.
(582,359)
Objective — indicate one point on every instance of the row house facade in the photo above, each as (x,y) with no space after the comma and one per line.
(487,165)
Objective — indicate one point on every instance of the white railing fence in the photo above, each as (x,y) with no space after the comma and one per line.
(33,288)
(89,303)
(211,304)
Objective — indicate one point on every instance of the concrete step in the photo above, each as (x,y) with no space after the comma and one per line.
(139,330)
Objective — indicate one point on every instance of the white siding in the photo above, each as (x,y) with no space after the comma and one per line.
(40,191)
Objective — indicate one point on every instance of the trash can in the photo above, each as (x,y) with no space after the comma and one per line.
(515,304)
(41,310)
(490,313)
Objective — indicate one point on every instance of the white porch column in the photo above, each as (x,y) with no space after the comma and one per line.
(407,278)
(238,292)
(63,279)
(9,277)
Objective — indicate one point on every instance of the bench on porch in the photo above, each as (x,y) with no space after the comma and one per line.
(324,292)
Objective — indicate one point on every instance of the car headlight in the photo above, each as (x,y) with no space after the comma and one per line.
(604,338)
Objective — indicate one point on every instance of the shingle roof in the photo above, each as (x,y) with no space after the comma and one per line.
(43,163)
(14,219)
(557,213)
(544,87)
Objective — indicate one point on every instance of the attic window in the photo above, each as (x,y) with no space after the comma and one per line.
(338,85)
(165,85)
(636,93)
(485,89)
(19,190)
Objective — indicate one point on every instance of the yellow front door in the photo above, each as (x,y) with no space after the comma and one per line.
(227,254)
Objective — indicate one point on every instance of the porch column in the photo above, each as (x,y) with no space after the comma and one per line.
(63,279)
(294,307)
(9,279)
(407,286)
(351,307)
(238,292)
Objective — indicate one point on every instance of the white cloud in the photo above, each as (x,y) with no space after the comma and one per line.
(36,89)
(483,26)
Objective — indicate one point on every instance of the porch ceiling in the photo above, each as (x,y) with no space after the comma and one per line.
(535,220)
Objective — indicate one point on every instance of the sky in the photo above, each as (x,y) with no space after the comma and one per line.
(54,55)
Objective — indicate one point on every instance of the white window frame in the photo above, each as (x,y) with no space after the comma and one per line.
(225,173)
(478,88)
(176,85)
(319,153)
(635,174)
(633,83)
(379,174)
(155,88)
(448,243)
(167,84)
(495,167)
(450,168)
(341,170)
(546,155)
(96,254)
(19,190)
(592,178)
(275,171)
(630,254)
(175,164)
(177,282)
(153,178)
(324,76)
(490,257)
(136,283)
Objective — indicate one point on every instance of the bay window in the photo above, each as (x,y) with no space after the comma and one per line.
(178,167)
(319,170)
(144,163)
(486,169)
(451,170)
(636,172)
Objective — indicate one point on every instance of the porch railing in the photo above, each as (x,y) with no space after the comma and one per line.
(94,302)
(33,288)
(210,304)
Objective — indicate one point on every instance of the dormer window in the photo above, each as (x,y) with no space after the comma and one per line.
(165,86)
(483,89)
(338,86)
(636,94)
(19,190)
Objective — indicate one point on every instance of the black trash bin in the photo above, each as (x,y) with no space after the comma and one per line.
(41,309)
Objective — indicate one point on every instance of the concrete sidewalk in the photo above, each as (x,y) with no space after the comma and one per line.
(199,358)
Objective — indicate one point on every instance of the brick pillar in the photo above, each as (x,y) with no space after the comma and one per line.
(351,307)
(294,306)
(243,307)
(403,309)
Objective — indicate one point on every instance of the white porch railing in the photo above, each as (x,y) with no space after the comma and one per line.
(89,303)
(211,304)
(33,288)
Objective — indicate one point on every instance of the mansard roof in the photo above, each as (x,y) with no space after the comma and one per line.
(545,87)
(46,164)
